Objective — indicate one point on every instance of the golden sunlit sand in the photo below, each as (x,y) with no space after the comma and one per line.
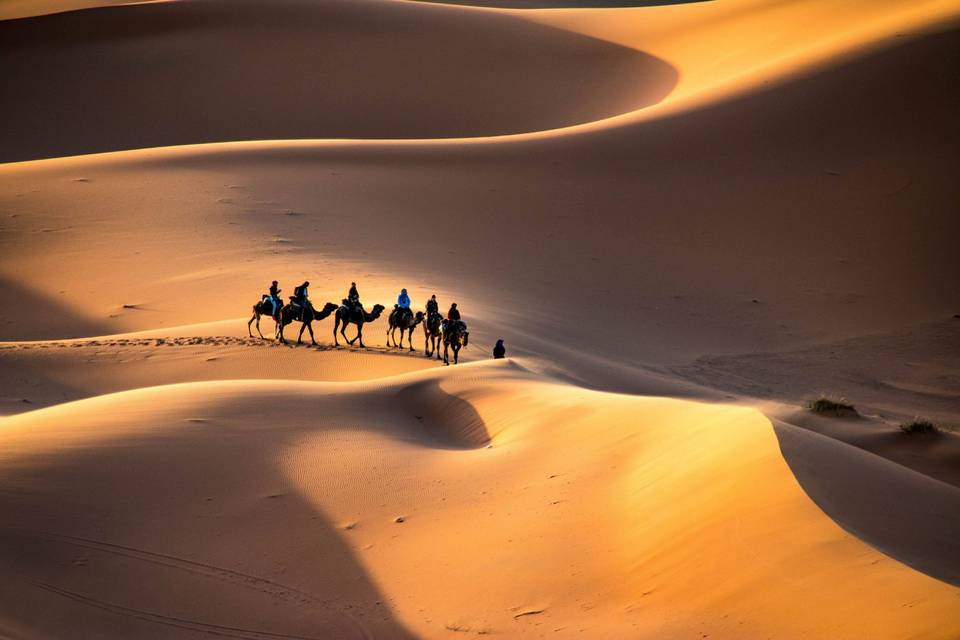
(687,221)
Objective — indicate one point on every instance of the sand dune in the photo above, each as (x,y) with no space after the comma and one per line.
(208,71)
(13,9)
(738,203)
(829,244)
(647,547)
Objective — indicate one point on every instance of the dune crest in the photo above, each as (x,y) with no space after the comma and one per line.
(739,202)
(685,512)
(173,73)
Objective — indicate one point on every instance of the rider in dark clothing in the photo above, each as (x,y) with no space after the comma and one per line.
(432,305)
(499,351)
(353,297)
(454,313)
(301,295)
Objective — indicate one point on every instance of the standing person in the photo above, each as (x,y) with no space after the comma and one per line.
(433,307)
(499,351)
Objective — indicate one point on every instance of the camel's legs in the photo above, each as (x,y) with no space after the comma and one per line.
(256,316)
(343,332)
(409,339)
(310,329)
(303,325)
(336,325)
(359,336)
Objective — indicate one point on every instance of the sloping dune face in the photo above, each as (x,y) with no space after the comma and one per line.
(356,512)
(829,200)
(745,190)
(208,71)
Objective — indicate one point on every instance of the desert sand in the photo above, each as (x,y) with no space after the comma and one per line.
(687,220)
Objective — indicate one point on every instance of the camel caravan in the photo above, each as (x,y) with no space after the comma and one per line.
(451,331)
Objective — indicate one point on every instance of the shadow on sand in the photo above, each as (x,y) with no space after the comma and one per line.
(184,530)
(864,502)
(41,317)
(565,4)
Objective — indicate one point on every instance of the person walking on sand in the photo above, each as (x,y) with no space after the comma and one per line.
(499,351)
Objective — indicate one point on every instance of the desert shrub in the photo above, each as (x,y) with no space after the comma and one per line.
(826,406)
(921,427)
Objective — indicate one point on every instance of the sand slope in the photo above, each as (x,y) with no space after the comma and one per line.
(736,201)
(209,71)
(835,215)
(726,544)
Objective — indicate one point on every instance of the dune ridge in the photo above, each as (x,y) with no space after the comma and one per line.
(717,201)
(289,71)
(623,484)
(672,68)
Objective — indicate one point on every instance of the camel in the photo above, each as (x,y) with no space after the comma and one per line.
(262,308)
(356,315)
(288,314)
(455,336)
(406,322)
(432,334)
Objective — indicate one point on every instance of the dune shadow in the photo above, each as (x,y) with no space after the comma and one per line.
(30,383)
(172,73)
(906,515)
(565,4)
(192,530)
(29,315)
(449,420)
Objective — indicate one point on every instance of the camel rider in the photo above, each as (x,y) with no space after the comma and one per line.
(403,305)
(301,295)
(275,297)
(454,313)
(353,296)
(433,307)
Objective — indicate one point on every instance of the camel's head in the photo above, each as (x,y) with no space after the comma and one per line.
(330,307)
(417,319)
(377,309)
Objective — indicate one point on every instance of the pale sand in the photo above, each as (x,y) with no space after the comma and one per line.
(730,202)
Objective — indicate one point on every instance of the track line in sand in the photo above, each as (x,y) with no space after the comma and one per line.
(172,621)
(191,341)
(266,586)
(246,580)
